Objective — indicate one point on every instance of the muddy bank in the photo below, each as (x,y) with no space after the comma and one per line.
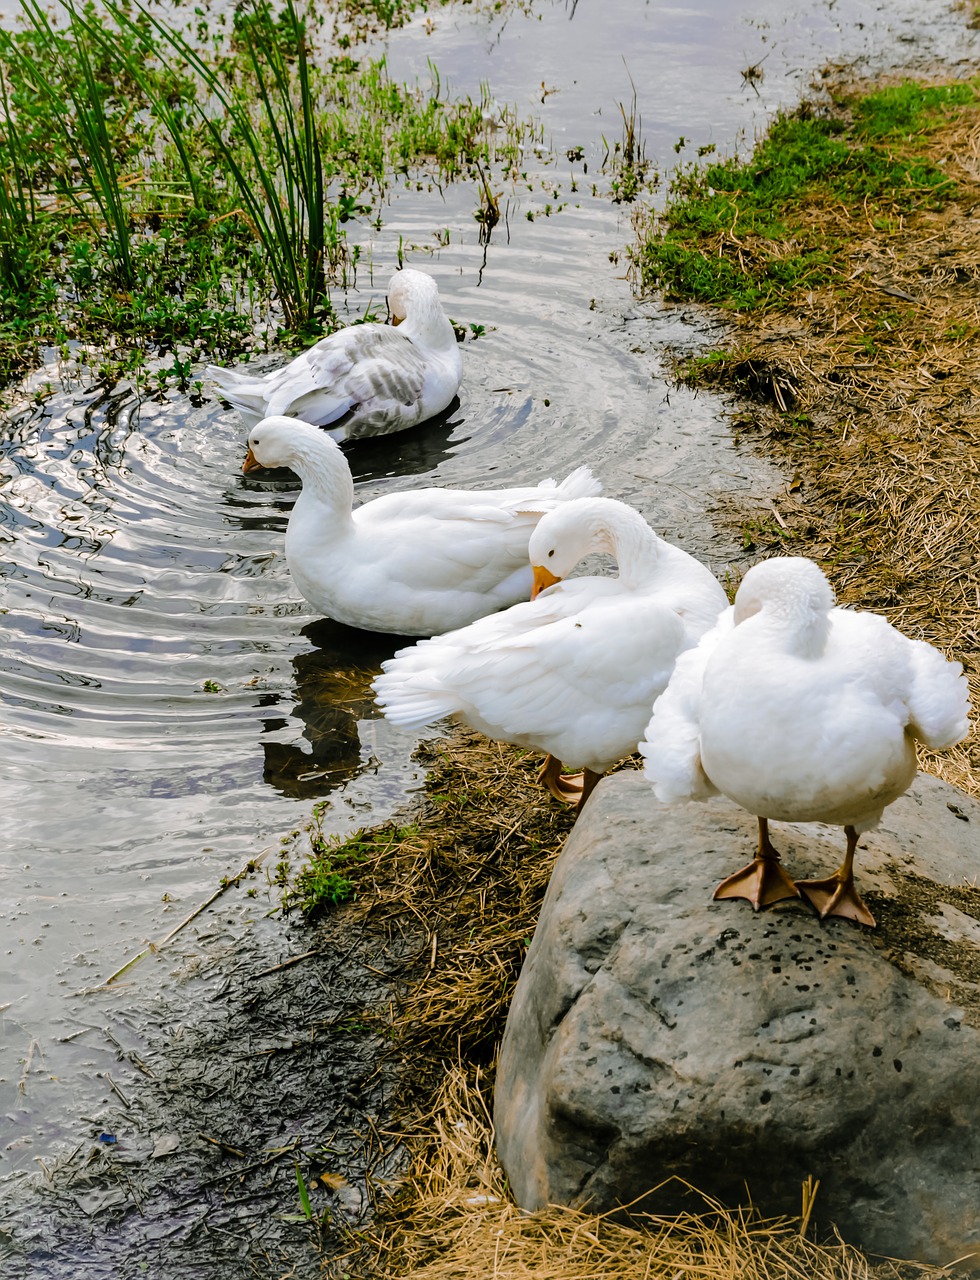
(279,1087)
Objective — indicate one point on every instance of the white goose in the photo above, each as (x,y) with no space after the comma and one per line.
(414,563)
(574,671)
(801,712)
(367,379)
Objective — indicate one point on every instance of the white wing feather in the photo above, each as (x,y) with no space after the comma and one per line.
(671,746)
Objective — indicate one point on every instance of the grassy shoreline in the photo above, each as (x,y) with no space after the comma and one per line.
(860,381)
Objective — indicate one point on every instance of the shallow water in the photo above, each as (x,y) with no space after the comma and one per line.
(169,708)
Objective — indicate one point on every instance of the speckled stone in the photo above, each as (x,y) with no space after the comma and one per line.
(655,1033)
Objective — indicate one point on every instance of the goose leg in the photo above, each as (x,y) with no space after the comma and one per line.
(763,881)
(567,787)
(589,780)
(837,896)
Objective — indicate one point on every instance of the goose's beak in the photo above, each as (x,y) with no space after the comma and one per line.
(396,320)
(542,578)
(251,463)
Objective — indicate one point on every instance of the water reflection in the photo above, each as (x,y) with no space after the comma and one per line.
(332,687)
(408,453)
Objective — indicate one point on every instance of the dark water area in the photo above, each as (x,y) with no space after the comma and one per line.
(171,710)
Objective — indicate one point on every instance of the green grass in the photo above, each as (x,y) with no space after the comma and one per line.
(184,194)
(330,875)
(743,233)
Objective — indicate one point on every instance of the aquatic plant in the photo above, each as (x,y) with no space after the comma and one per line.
(189,192)
(280,186)
(329,877)
(626,160)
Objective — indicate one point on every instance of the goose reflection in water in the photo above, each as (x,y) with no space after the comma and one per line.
(333,678)
(407,453)
(333,688)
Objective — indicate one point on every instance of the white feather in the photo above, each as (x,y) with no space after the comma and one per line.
(799,710)
(368,379)
(573,673)
(416,562)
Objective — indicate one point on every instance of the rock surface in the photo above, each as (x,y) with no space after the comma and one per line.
(655,1032)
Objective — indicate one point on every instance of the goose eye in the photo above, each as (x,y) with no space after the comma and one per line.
(551,553)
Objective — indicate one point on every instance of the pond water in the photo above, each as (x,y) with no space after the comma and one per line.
(169,708)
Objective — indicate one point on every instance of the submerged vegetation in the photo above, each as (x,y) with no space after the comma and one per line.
(188,193)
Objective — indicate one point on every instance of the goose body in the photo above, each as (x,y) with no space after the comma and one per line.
(415,563)
(800,711)
(367,379)
(574,672)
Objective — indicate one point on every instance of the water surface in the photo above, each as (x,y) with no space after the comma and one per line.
(169,707)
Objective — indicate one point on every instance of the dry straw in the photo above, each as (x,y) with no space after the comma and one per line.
(458,1223)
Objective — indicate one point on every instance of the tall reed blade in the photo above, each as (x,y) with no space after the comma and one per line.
(272,156)
(18,211)
(87,133)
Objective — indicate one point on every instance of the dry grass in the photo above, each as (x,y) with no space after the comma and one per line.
(466,882)
(868,390)
(458,1222)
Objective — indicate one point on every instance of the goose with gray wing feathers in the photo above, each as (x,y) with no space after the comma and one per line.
(367,379)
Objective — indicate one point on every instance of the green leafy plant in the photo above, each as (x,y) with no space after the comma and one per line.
(330,875)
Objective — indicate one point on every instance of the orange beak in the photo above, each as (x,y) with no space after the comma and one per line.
(251,463)
(542,578)
(396,320)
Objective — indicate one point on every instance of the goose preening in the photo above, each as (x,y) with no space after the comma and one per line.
(574,672)
(416,562)
(801,711)
(367,379)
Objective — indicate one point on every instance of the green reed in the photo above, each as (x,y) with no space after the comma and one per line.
(89,137)
(268,148)
(19,212)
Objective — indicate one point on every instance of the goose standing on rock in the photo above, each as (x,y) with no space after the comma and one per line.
(800,711)
(574,671)
(367,379)
(414,563)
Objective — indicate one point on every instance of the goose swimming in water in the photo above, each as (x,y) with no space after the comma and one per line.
(367,379)
(415,562)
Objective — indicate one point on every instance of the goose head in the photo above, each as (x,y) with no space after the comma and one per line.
(792,594)
(413,302)
(308,451)
(280,441)
(575,529)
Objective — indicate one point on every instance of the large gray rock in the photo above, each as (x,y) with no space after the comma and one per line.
(655,1032)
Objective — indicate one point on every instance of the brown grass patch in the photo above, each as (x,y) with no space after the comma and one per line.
(867,389)
(458,1222)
